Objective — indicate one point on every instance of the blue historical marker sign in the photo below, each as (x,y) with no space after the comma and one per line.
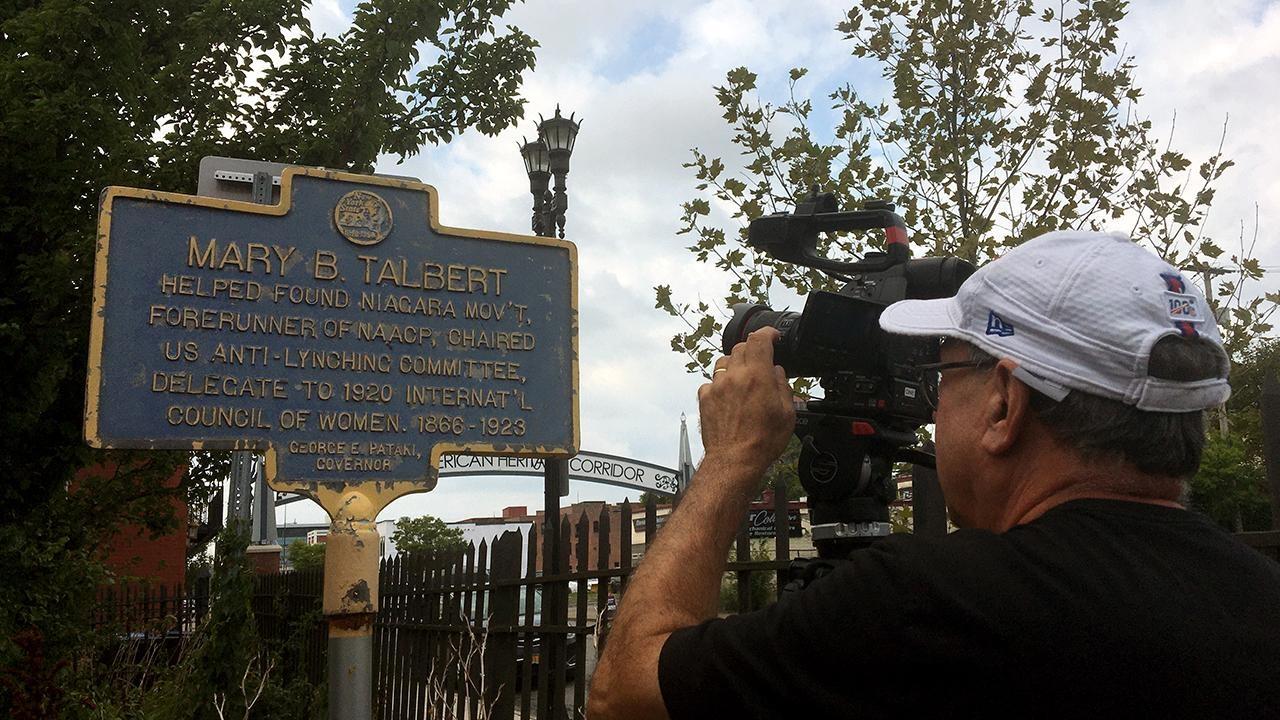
(344,332)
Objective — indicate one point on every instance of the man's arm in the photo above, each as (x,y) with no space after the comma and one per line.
(747,417)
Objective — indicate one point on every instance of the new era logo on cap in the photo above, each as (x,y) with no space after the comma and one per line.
(997,326)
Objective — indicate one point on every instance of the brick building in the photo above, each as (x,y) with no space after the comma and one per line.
(593,510)
(133,554)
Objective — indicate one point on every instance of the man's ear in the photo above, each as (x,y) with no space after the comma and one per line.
(1006,409)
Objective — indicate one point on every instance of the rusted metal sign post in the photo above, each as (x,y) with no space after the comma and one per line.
(344,333)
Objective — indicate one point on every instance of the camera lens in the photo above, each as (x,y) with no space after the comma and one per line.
(750,317)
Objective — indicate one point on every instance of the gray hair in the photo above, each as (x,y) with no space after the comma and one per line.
(1160,444)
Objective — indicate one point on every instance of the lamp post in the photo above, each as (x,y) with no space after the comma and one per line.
(545,158)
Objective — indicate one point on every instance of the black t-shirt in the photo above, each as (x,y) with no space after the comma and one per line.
(1096,609)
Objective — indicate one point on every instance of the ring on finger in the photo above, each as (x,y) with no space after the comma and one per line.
(718,371)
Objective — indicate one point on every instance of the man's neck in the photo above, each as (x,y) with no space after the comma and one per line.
(1038,491)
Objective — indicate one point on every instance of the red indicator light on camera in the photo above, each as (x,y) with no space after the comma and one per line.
(863,428)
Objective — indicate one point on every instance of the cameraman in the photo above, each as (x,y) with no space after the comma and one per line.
(1074,373)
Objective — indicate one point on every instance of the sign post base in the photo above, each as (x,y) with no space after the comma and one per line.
(350,671)
(350,606)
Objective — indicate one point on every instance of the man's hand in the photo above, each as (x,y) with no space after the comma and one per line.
(747,410)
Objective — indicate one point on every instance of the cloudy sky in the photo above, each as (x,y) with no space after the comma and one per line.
(641,75)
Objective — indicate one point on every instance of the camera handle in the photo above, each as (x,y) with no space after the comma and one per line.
(793,237)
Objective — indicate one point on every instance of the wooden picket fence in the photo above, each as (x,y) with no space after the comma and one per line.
(483,634)
(1266,542)
(288,610)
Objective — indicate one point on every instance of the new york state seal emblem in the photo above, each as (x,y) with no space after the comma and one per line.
(362,217)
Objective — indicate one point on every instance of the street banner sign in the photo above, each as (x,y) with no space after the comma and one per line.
(763,522)
(592,467)
(343,332)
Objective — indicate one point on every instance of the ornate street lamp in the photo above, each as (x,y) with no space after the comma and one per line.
(537,162)
(544,158)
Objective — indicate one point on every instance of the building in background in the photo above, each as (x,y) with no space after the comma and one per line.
(487,530)
(134,555)
(288,534)
(761,526)
(593,511)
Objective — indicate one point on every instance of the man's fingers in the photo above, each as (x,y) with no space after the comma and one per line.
(721,365)
(784,387)
(757,348)
(759,345)
(768,332)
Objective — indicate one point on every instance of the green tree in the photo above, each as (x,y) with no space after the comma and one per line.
(1231,486)
(1249,372)
(305,557)
(135,94)
(1001,122)
(426,534)
(223,668)
(761,585)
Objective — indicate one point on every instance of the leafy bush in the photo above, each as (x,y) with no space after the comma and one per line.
(761,584)
(305,557)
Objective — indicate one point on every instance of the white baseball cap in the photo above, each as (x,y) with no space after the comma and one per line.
(1077,311)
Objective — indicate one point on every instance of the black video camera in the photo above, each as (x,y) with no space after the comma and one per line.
(874,394)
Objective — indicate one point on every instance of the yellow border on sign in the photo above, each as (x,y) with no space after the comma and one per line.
(315,489)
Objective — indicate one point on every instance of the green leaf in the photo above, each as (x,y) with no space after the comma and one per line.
(1209,249)
(662,299)
(741,79)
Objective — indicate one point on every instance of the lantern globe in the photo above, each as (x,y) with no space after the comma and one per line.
(559,133)
(536,157)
